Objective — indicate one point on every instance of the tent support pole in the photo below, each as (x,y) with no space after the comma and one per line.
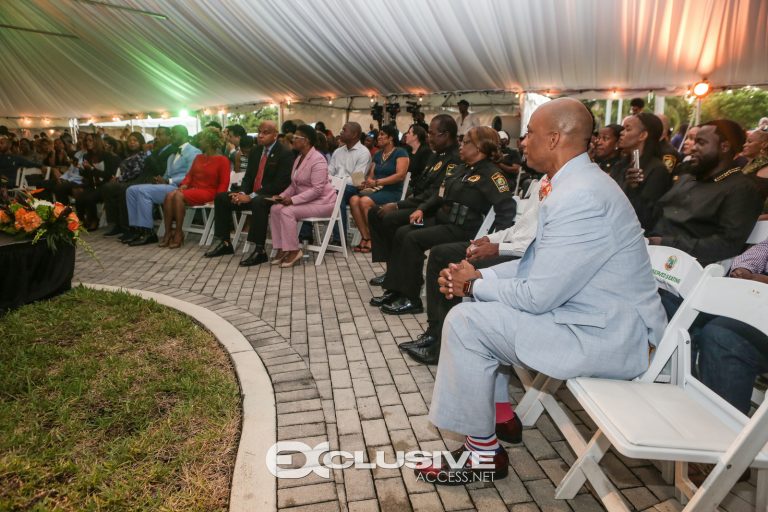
(618,111)
(280,115)
(608,111)
(698,111)
(349,109)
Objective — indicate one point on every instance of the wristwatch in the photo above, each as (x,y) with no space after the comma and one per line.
(467,289)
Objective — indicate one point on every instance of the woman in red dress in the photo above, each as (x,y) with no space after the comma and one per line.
(208,176)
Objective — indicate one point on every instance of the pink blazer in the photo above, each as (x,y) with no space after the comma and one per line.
(310,182)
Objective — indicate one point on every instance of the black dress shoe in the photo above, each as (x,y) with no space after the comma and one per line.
(221,249)
(255,258)
(116,230)
(129,236)
(424,340)
(385,298)
(144,239)
(510,431)
(426,354)
(447,475)
(403,306)
(378,280)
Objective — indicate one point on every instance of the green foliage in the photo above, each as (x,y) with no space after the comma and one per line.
(249,120)
(745,106)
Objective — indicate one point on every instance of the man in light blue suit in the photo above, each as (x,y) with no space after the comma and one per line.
(581,302)
(141,198)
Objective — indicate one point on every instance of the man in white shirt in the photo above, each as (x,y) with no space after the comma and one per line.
(465,120)
(350,160)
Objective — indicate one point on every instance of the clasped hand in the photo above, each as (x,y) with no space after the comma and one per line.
(481,248)
(452,279)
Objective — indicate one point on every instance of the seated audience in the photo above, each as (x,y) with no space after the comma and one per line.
(756,152)
(419,152)
(384,221)
(383,184)
(669,155)
(208,176)
(709,213)
(113,192)
(350,160)
(9,162)
(509,159)
(581,302)
(646,184)
(268,174)
(490,250)
(98,167)
(310,194)
(140,199)
(607,153)
(464,198)
(241,163)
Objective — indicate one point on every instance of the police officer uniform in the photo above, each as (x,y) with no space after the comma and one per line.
(424,188)
(463,199)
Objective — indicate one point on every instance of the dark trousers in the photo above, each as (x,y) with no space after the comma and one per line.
(383,230)
(439,258)
(222,220)
(86,204)
(731,354)
(406,261)
(62,189)
(115,205)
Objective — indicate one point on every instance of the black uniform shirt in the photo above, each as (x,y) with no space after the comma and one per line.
(478,187)
(429,182)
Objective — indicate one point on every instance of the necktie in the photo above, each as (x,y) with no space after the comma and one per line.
(545,188)
(260,173)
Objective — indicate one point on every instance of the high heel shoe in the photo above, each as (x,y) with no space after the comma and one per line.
(167,237)
(278,257)
(289,262)
(178,240)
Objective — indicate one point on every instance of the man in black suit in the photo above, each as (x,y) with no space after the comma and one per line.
(268,174)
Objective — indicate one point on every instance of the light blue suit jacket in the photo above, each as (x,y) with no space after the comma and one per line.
(584,286)
(179,164)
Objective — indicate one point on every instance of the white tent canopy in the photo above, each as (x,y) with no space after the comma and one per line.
(209,53)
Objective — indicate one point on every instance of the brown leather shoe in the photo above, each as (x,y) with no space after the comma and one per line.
(497,469)
(510,431)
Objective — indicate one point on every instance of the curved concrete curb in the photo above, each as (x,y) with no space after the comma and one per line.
(253,486)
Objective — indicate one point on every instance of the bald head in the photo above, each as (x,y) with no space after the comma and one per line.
(267,133)
(558,131)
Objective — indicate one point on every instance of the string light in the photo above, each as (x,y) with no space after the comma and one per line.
(701,89)
(207,112)
(330,101)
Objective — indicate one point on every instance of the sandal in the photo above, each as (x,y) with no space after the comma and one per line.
(362,246)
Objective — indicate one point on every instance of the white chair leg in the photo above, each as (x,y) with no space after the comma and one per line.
(577,476)
(238,229)
(761,495)
(530,407)
(205,238)
(342,237)
(326,240)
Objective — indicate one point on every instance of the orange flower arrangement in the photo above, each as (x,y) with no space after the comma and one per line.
(27,217)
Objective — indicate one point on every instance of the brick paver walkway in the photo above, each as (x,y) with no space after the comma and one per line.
(338,376)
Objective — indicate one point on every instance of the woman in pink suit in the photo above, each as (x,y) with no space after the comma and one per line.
(208,176)
(310,194)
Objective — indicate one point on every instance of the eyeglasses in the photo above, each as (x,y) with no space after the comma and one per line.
(297,137)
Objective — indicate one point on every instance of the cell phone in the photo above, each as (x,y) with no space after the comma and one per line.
(270,199)
(636,158)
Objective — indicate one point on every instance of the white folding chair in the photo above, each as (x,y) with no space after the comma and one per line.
(31,171)
(239,225)
(678,422)
(675,271)
(339,184)
(759,233)
(406,182)
(487,224)
(205,229)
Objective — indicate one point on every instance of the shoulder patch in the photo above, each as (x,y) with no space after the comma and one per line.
(670,161)
(437,166)
(473,178)
(449,169)
(501,182)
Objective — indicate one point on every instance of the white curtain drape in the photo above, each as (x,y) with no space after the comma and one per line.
(225,52)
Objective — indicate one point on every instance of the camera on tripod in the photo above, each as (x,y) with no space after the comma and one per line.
(413,108)
(393,109)
(377,112)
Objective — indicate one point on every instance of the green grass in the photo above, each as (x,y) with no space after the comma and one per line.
(111,402)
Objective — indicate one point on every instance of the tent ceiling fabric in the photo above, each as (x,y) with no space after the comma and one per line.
(223,52)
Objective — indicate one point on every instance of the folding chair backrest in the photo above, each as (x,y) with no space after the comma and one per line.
(684,317)
(339,184)
(28,171)
(406,182)
(675,271)
(485,227)
(759,233)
